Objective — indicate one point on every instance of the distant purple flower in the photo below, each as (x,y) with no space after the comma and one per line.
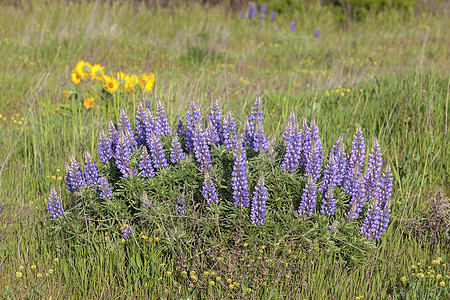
(140,124)
(90,170)
(229,130)
(151,127)
(329,203)
(373,172)
(216,119)
(357,156)
(74,175)
(317,33)
(105,190)
(257,112)
(330,174)
(252,10)
(209,190)
(113,135)
(125,125)
(264,8)
(193,116)
(181,128)
(247,134)
(176,153)
(157,151)
(386,185)
(273,15)
(290,136)
(372,222)
(104,147)
(338,150)
(122,155)
(259,138)
(161,117)
(127,231)
(384,220)
(145,202)
(201,150)
(250,133)
(276,29)
(309,197)
(258,212)
(239,176)
(314,155)
(145,164)
(147,103)
(292,26)
(358,197)
(180,207)
(55,208)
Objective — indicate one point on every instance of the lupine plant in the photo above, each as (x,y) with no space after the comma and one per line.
(215,180)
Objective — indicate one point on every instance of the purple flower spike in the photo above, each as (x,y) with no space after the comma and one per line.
(74,175)
(212,137)
(258,211)
(201,150)
(292,26)
(373,172)
(357,156)
(309,197)
(329,203)
(385,218)
(54,204)
(252,10)
(372,222)
(314,162)
(264,8)
(193,116)
(259,138)
(161,117)
(145,165)
(290,136)
(176,153)
(338,150)
(304,140)
(90,170)
(123,152)
(216,119)
(317,33)
(124,124)
(386,185)
(358,197)
(140,124)
(157,151)
(104,147)
(273,15)
(181,128)
(330,175)
(180,207)
(209,190)
(247,134)
(276,29)
(105,190)
(239,176)
(127,231)
(229,131)
(256,114)
(113,135)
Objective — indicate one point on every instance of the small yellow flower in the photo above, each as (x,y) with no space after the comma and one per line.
(438,276)
(191,285)
(39,275)
(58,170)
(169,273)
(59,178)
(19,274)
(157,239)
(67,94)
(123,240)
(442,283)
(277,244)
(97,72)
(192,272)
(342,94)
(263,247)
(89,103)
(50,271)
(288,276)
(260,251)
(53,177)
(213,273)
(218,278)
(206,273)
(33,267)
(162,265)
(413,267)
(229,280)
(236,283)
(111,84)
(147,81)
(289,251)
(21,268)
(212,282)
(245,244)
(231,286)
(76,78)
(83,68)
(219,258)
(193,277)
(184,273)
(404,279)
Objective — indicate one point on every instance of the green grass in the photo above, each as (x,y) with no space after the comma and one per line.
(398,76)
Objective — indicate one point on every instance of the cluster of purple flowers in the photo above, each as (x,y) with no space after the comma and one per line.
(127,231)
(54,204)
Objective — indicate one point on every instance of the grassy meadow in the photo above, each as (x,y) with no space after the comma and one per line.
(389,73)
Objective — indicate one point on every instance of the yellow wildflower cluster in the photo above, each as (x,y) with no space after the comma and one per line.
(130,83)
(340,91)
(432,276)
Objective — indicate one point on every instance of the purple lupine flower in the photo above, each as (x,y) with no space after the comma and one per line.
(317,33)
(229,130)
(252,10)
(122,155)
(145,202)
(55,208)
(161,117)
(131,140)
(239,176)
(313,162)
(271,151)
(104,147)
(74,175)
(259,208)
(304,139)
(212,137)
(273,15)
(357,156)
(371,223)
(259,138)
(338,150)
(329,203)
(147,103)
(334,225)
(264,8)
(384,220)
(145,165)
(290,136)
(373,172)
(176,153)
(386,185)
(330,174)
(151,127)
(292,26)
(247,134)
(309,197)
(181,128)
(193,116)
(256,114)
(180,207)
(216,119)
(358,197)
(105,190)
(124,122)
(113,135)
(209,189)
(157,151)
(276,29)
(140,124)
(90,170)
(201,150)
(127,231)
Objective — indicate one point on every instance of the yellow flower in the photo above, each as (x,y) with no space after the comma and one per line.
(53,177)
(111,84)
(263,247)
(342,94)
(21,268)
(50,271)
(120,75)
(229,280)
(147,81)
(97,72)
(76,78)
(83,68)
(67,94)
(218,278)
(413,267)
(288,276)
(404,279)
(212,282)
(39,275)
(193,277)
(184,273)
(236,283)
(123,240)
(245,244)
(249,290)
(213,273)
(89,102)
(19,274)
(33,267)
(438,276)
(442,283)
(169,273)
(231,286)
